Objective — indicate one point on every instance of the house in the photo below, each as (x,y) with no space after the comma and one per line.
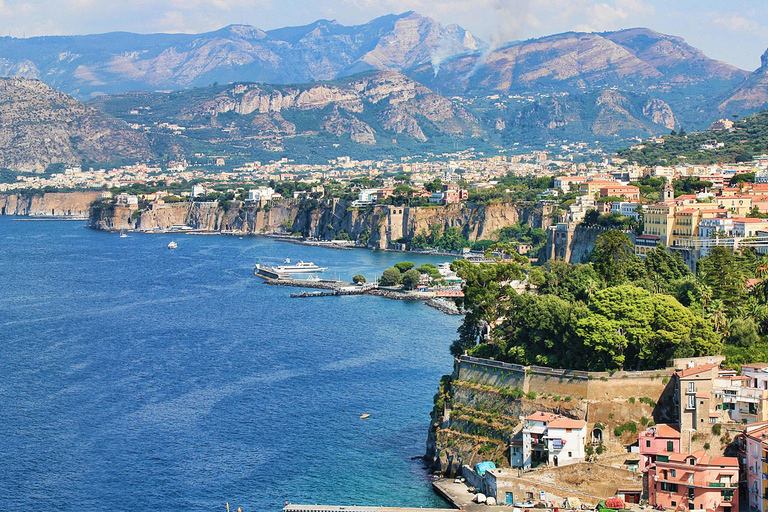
(694,481)
(694,393)
(655,439)
(548,439)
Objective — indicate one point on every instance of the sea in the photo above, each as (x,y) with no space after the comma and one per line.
(138,378)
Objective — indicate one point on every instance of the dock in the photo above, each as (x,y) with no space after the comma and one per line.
(355,508)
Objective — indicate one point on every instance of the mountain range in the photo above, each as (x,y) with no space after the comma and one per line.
(444,88)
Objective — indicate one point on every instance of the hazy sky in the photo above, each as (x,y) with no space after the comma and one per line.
(735,31)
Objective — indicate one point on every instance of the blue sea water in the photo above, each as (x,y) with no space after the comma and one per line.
(133,377)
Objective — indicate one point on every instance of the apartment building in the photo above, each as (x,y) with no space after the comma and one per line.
(695,481)
(655,439)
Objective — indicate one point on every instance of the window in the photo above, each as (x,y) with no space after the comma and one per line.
(672,473)
(713,420)
(691,402)
(691,387)
(670,446)
(674,503)
(647,444)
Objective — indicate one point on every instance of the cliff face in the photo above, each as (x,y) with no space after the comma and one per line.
(573,244)
(201,216)
(374,226)
(69,204)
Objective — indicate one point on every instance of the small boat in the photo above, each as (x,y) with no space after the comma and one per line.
(365,416)
(123,235)
(172,245)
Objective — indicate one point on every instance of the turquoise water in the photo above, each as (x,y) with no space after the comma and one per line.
(139,378)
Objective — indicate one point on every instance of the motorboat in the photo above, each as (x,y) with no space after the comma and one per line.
(172,245)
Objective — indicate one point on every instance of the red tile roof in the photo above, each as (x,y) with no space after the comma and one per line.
(567,423)
(697,369)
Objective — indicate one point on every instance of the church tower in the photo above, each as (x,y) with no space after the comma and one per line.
(667,193)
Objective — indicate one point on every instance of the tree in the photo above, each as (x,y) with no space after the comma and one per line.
(430,269)
(404,266)
(411,279)
(358,279)
(488,296)
(390,277)
(614,257)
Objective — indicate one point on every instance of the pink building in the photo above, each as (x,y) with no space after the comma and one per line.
(694,481)
(655,439)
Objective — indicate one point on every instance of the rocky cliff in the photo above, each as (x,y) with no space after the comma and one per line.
(69,204)
(573,243)
(376,226)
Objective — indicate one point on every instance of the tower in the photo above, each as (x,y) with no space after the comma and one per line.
(668,192)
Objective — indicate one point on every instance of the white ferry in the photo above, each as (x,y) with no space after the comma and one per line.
(302,267)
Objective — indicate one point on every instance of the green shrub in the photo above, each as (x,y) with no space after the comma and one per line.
(644,421)
(600,449)
(706,446)
(531,395)
(629,426)
(567,399)
(665,380)
(716,429)
(632,400)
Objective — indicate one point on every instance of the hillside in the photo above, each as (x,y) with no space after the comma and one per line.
(635,61)
(87,66)
(370,114)
(40,126)
(749,139)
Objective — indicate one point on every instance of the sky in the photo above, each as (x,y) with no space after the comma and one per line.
(734,31)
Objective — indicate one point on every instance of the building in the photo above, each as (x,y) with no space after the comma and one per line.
(694,392)
(629,192)
(548,439)
(655,439)
(694,481)
(756,454)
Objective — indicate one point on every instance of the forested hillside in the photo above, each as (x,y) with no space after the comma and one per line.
(617,311)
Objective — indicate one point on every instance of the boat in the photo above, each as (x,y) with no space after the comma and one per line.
(302,267)
(364,416)
(123,235)
(172,245)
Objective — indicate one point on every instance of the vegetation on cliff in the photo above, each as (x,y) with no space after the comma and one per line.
(617,311)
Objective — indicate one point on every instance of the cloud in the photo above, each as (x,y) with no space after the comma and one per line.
(736,23)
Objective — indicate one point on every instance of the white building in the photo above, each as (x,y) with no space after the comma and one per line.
(366,197)
(548,439)
(261,194)
(625,208)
